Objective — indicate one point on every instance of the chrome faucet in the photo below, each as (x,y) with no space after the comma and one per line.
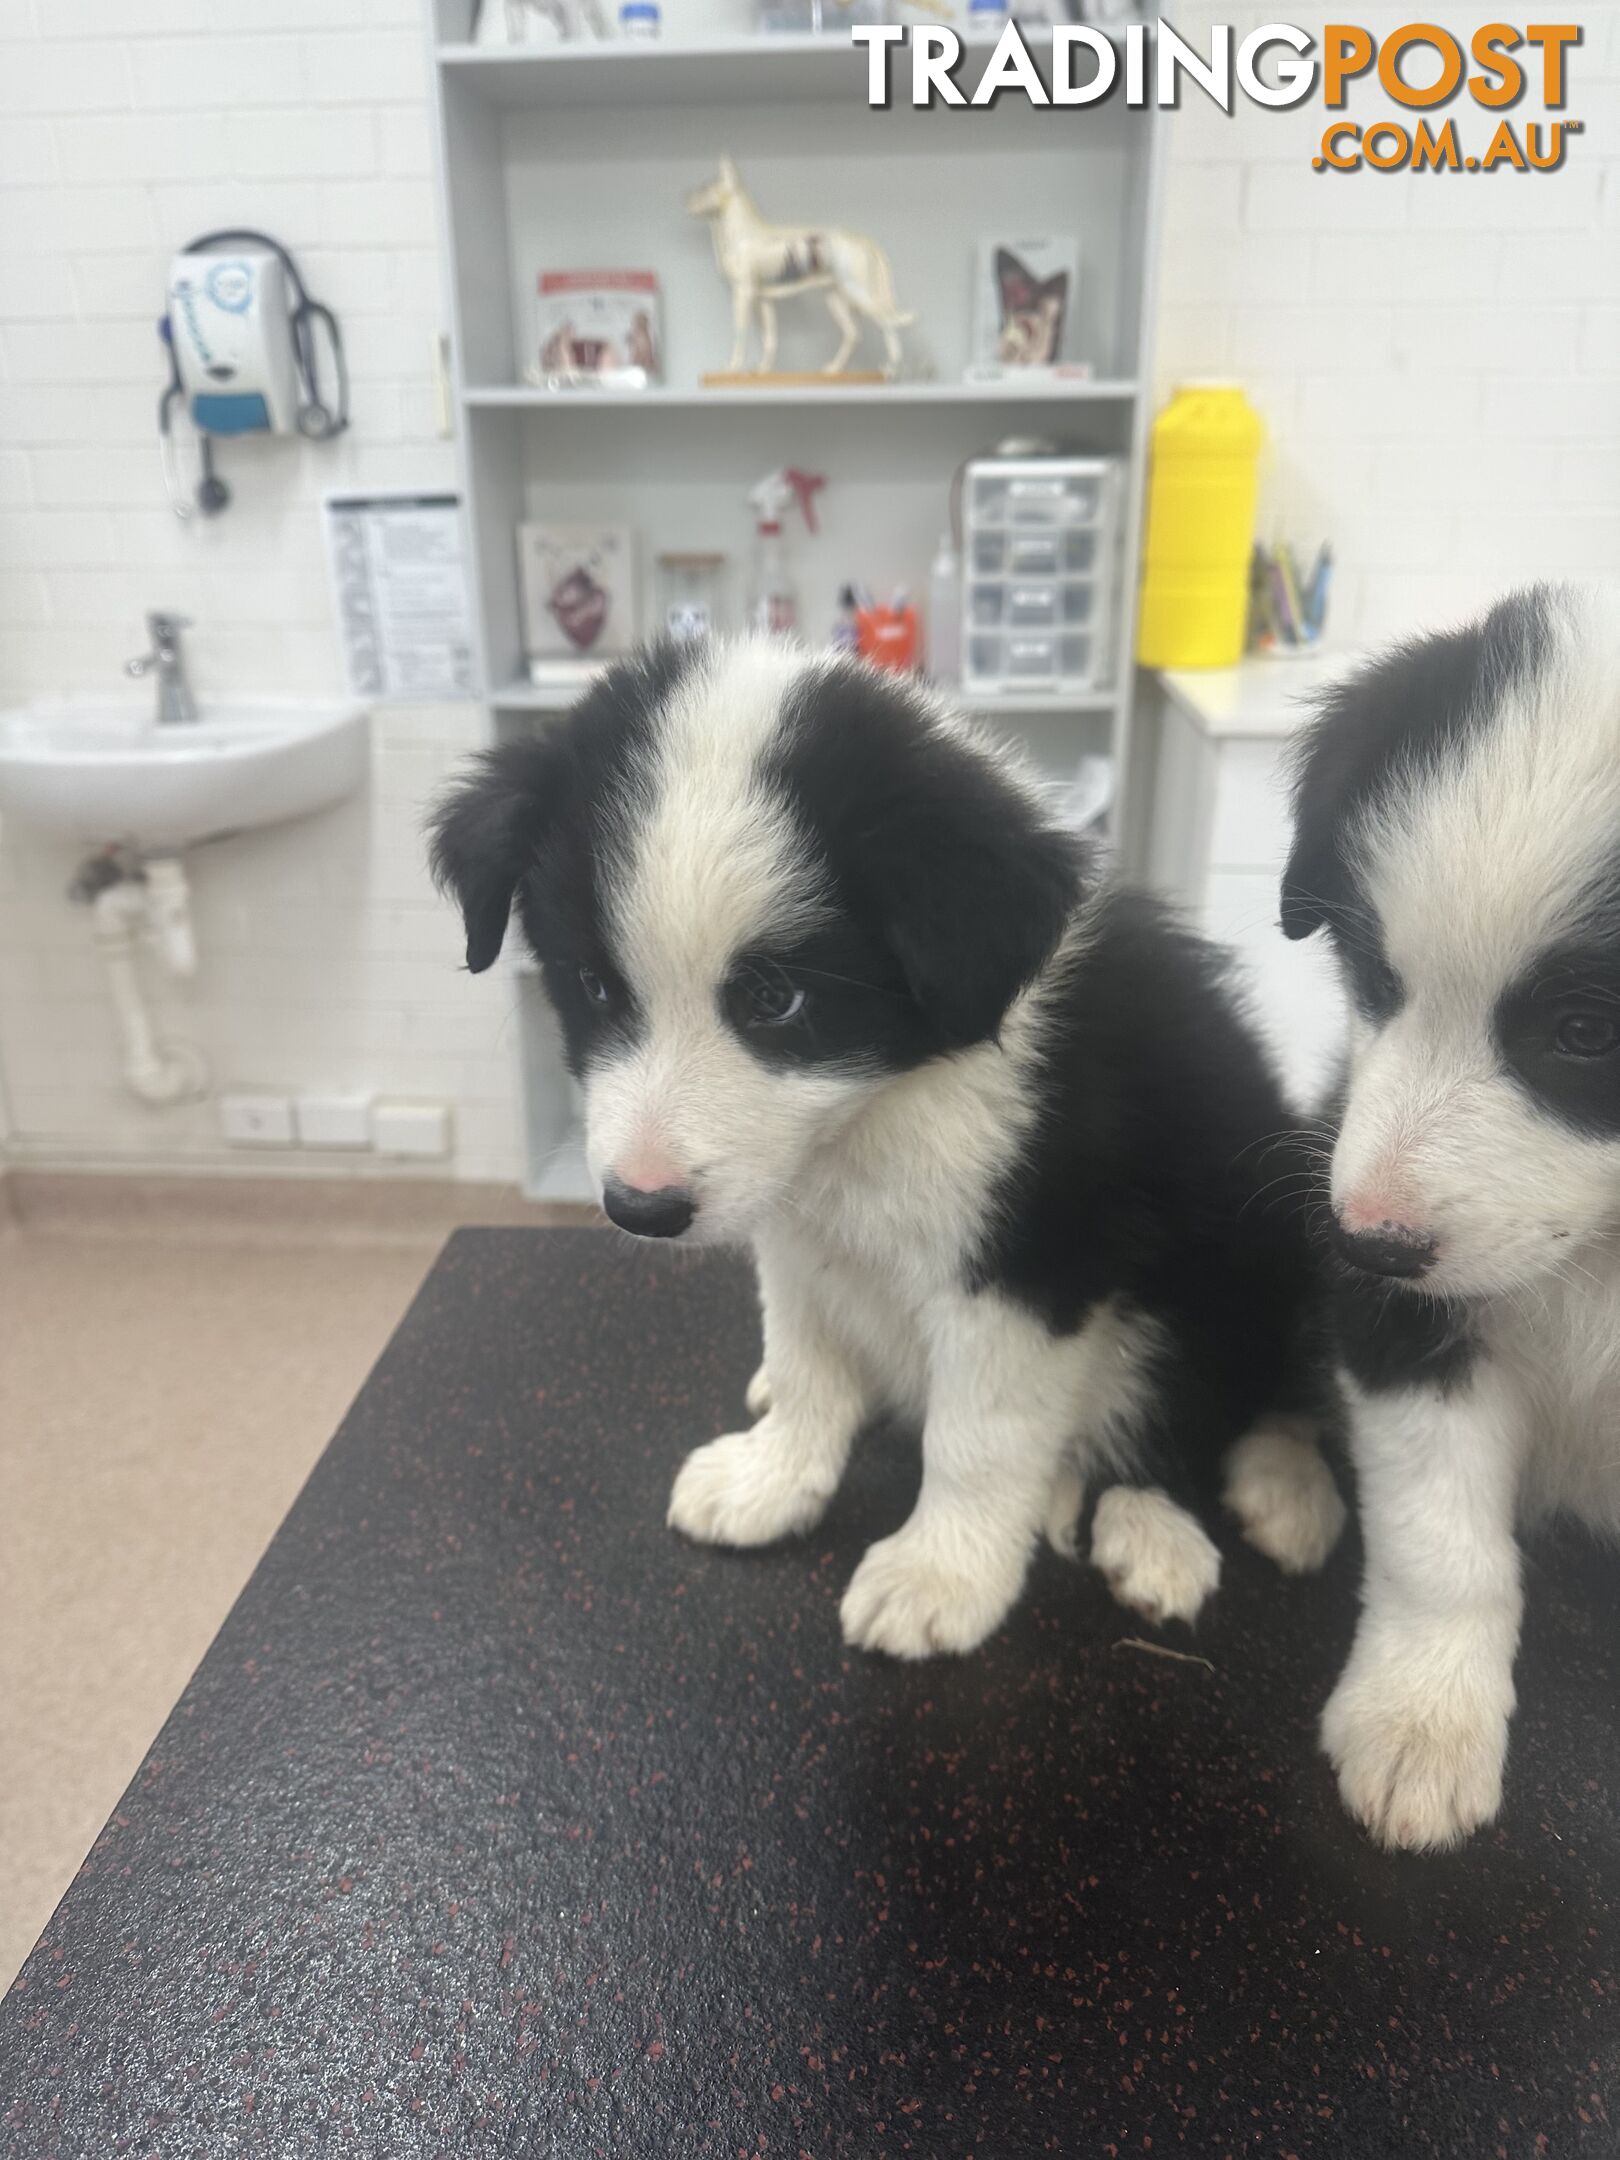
(176,707)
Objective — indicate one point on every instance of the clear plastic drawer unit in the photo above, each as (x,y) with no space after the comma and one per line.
(1040,558)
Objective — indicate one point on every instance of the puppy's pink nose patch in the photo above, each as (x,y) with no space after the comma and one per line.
(649,1170)
(1376,1210)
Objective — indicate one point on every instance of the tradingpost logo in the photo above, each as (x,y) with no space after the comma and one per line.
(1420,67)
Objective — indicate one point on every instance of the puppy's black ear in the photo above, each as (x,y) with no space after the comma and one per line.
(1328,779)
(488,828)
(941,853)
(1304,905)
(1395,716)
(975,897)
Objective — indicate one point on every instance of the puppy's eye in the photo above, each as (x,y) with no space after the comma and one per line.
(1373,982)
(593,986)
(1586,1034)
(768,1000)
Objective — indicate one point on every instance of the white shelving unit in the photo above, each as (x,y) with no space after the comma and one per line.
(574,156)
(507,397)
(520,695)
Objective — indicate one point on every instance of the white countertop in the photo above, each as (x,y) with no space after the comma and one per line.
(1258,698)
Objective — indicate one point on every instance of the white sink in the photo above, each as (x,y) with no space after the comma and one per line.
(99,769)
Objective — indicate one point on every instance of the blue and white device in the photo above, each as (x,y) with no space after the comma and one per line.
(243,338)
(230,323)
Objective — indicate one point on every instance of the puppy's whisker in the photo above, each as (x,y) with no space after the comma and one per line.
(852,982)
(1285,1136)
(1303,1181)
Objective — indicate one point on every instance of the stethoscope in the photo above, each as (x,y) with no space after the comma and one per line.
(317,420)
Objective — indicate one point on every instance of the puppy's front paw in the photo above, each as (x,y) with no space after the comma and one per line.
(1064,1504)
(1282,1492)
(1155,1556)
(1419,1757)
(917,1594)
(745,1489)
(758,1398)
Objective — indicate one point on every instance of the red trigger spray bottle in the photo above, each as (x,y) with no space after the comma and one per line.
(773,604)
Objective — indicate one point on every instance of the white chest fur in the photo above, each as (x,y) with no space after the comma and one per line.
(891,1210)
(1556,1351)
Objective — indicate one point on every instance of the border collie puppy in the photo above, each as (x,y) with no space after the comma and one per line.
(838,986)
(1458,835)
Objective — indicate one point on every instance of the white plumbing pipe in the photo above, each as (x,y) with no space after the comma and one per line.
(168,911)
(156,1072)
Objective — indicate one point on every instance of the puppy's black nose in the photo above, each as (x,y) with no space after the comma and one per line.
(665,1213)
(1388,1249)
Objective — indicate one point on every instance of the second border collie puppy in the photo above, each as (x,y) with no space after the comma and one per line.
(1458,835)
(838,986)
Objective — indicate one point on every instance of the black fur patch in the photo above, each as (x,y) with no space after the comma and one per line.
(1558,1030)
(532,825)
(1378,991)
(858,1011)
(1390,721)
(528,801)
(1167,1172)
(932,851)
(488,825)
(1390,1338)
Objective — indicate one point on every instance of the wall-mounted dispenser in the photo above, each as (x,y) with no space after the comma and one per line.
(243,335)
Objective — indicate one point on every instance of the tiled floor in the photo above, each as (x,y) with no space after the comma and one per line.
(164,1392)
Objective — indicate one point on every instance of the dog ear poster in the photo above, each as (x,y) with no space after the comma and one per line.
(1025,299)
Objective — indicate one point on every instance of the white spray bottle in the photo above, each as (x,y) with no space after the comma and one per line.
(773,604)
(945,615)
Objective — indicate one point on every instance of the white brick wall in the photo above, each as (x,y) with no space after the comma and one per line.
(1435,356)
(126,127)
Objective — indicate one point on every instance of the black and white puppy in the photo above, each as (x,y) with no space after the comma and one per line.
(838,986)
(1458,834)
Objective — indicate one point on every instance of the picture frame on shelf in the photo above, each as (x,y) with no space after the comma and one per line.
(597,330)
(577,586)
(1025,302)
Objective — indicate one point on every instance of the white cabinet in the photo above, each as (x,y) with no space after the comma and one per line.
(1217,823)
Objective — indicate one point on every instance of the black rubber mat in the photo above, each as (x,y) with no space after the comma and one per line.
(499,1821)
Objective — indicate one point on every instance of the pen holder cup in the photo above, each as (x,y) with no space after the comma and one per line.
(887,637)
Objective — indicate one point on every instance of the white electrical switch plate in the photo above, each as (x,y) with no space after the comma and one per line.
(340,1121)
(256,1120)
(400,1128)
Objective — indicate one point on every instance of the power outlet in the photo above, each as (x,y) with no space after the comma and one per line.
(256,1120)
(399,1128)
(333,1121)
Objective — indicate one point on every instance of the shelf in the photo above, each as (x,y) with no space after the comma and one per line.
(792,70)
(1032,704)
(521,696)
(519,397)
(781,69)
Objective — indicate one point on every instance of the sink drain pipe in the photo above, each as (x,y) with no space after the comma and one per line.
(129,904)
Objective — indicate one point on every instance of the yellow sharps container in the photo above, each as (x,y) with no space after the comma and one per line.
(1202,483)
